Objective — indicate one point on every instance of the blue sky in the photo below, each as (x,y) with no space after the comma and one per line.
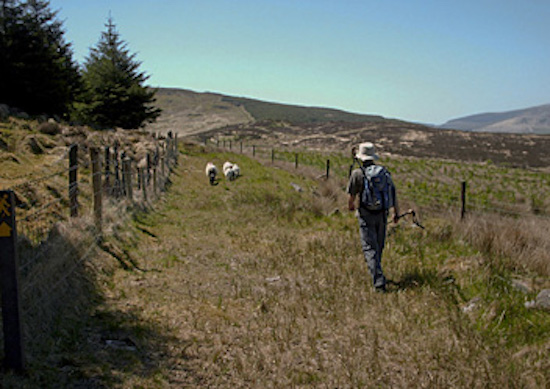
(427,61)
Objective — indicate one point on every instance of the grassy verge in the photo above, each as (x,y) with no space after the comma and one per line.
(252,283)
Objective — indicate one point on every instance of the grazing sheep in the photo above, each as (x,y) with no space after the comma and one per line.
(211,172)
(236,171)
(228,171)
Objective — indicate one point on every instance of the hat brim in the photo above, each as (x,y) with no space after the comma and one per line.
(364,157)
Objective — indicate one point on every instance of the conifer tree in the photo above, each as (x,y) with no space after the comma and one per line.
(114,92)
(40,76)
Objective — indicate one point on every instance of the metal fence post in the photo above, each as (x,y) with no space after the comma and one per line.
(9,277)
(463,197)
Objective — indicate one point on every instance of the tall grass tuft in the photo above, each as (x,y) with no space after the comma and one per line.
(524,242)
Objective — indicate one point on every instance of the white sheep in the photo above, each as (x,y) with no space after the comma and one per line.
(228,171)
(211,172)
(236,171)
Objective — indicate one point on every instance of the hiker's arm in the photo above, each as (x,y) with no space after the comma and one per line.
(351,202)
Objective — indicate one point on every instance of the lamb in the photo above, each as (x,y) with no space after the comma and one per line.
(211,172)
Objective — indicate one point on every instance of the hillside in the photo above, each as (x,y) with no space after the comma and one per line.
(188,112)
(534,120)
(394,138)
(213,116)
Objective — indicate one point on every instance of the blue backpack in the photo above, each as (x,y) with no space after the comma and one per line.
(378,192)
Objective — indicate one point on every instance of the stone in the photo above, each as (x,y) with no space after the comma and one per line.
(521,285)
(543,299)
(296,187)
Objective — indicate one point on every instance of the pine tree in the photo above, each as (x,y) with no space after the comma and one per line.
(115,95)
(37,66)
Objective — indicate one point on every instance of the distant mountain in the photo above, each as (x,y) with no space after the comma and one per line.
(534,120)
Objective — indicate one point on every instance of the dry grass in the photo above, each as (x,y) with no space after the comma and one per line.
(253,284)
(524,242)
(258,290)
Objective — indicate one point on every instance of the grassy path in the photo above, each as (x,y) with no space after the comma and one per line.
(247,284)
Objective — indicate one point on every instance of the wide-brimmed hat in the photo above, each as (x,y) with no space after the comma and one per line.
(366,152)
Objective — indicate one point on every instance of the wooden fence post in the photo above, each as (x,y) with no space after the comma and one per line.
(328,168)
(148,177)
(241,147)
(143,185)
(296,161)
(73,183)
(463,197)
(253,150)
(127,172)
(176,149)
(122,175)
(96,185)
(107,169)
(9,280)
(117,190)
(272,155)
(155,188)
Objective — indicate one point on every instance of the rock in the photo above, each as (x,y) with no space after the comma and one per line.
(35,145)
(543,299)
(296,187)
(50,127)
(471,305)
(530,304)
(521,285)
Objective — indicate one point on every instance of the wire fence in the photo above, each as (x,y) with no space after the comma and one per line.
(58,215)
(429,190)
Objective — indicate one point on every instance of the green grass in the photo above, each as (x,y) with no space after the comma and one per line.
(250,283)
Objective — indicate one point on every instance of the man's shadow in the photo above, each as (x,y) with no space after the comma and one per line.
(418,278)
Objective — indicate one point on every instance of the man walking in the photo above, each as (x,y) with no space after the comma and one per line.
(373,185)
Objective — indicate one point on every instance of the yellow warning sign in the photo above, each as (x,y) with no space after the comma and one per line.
(5,230)
(4,206)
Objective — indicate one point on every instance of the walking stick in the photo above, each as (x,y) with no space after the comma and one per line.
(414,219)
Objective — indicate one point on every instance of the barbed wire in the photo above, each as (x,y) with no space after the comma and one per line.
(60,160)
(33,286)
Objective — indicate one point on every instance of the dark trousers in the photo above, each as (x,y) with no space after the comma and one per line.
(372,227)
